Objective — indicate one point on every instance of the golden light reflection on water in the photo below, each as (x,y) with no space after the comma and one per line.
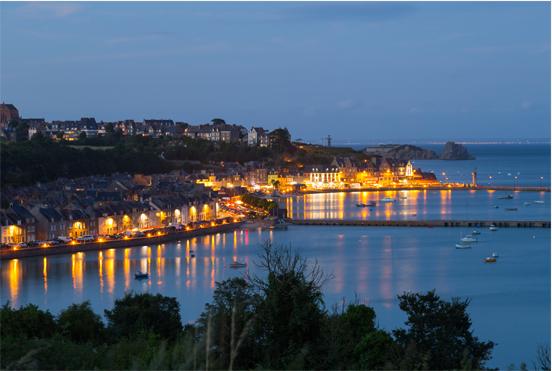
(110,270)
(77,271)
(100,270)
(45,274)
(126,267)
(14,278)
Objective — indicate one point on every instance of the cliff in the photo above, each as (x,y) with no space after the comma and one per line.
(453,151)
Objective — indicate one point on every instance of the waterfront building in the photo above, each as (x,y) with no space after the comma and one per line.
(320,176)
(18,225)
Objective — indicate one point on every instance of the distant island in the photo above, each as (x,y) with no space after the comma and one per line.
(407,152)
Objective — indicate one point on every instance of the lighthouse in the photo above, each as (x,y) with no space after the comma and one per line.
(474,178)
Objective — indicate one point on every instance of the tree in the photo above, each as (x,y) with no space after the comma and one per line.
(290,315)
(82,136)
(21,132)
(80,324)
(439,334)
(27,321)
(217,121)
(226,325)
(280,140)
(137,314)
(375,351)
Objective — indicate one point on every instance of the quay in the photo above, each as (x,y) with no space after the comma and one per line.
(6,254)
(425,223)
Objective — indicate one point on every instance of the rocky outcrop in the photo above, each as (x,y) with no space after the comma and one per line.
(453,151)
(407,152)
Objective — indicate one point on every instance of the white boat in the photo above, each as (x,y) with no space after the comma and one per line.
(493,228)
(387,199)
(468,239)
(463,246)
(494,255)
(236,264)
(538,202)
(475,232)
(526,203)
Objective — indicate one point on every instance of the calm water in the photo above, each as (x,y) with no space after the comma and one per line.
(421,205)
(510,300)
(496,164)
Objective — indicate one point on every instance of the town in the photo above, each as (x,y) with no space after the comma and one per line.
(124,205)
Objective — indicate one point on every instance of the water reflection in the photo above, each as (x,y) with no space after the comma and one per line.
(418,205)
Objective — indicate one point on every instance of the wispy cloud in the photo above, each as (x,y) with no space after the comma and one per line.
(48,9)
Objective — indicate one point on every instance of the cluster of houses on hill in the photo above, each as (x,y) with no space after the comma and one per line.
(96,206)
(70,130)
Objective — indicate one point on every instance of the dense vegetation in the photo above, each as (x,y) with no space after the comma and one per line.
(259,203)
(40,159)
(25,162)
(277,321)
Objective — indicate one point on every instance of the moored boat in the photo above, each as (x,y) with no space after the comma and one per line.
(475,232)
(507,197)
(141,275)
(236,264)
(493,228)
(387,199)
(463,245)
(468,238)
(490,259)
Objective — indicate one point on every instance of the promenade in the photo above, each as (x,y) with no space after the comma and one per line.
(6,254)
(425,223)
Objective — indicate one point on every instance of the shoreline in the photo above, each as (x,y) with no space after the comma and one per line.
(543,224)
(115,244)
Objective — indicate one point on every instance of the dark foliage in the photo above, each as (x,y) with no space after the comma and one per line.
(277,321)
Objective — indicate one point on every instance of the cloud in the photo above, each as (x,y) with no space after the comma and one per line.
(48,10)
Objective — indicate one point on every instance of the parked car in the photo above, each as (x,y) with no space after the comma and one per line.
(65,239)
(87,238)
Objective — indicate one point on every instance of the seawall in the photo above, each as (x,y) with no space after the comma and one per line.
(114,244)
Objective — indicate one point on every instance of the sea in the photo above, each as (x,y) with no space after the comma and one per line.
(509,300)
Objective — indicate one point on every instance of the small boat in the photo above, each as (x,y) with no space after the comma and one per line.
(496,206)
(141,275)
(463,245)
(236,265)
(507,197)
(192,255)
(468,239)
(404,198)
(371,203)
(493,228)
(361,205)
(475,232)
(387,199)
(490,259)
(494,255)
(526,203)
(538,202)
(511,209)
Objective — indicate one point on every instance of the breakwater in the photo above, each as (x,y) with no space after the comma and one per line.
(426,223)
(6,254)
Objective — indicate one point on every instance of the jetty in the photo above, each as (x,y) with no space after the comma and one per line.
(426,223)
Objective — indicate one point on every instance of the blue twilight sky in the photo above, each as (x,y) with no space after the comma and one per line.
(357,71)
